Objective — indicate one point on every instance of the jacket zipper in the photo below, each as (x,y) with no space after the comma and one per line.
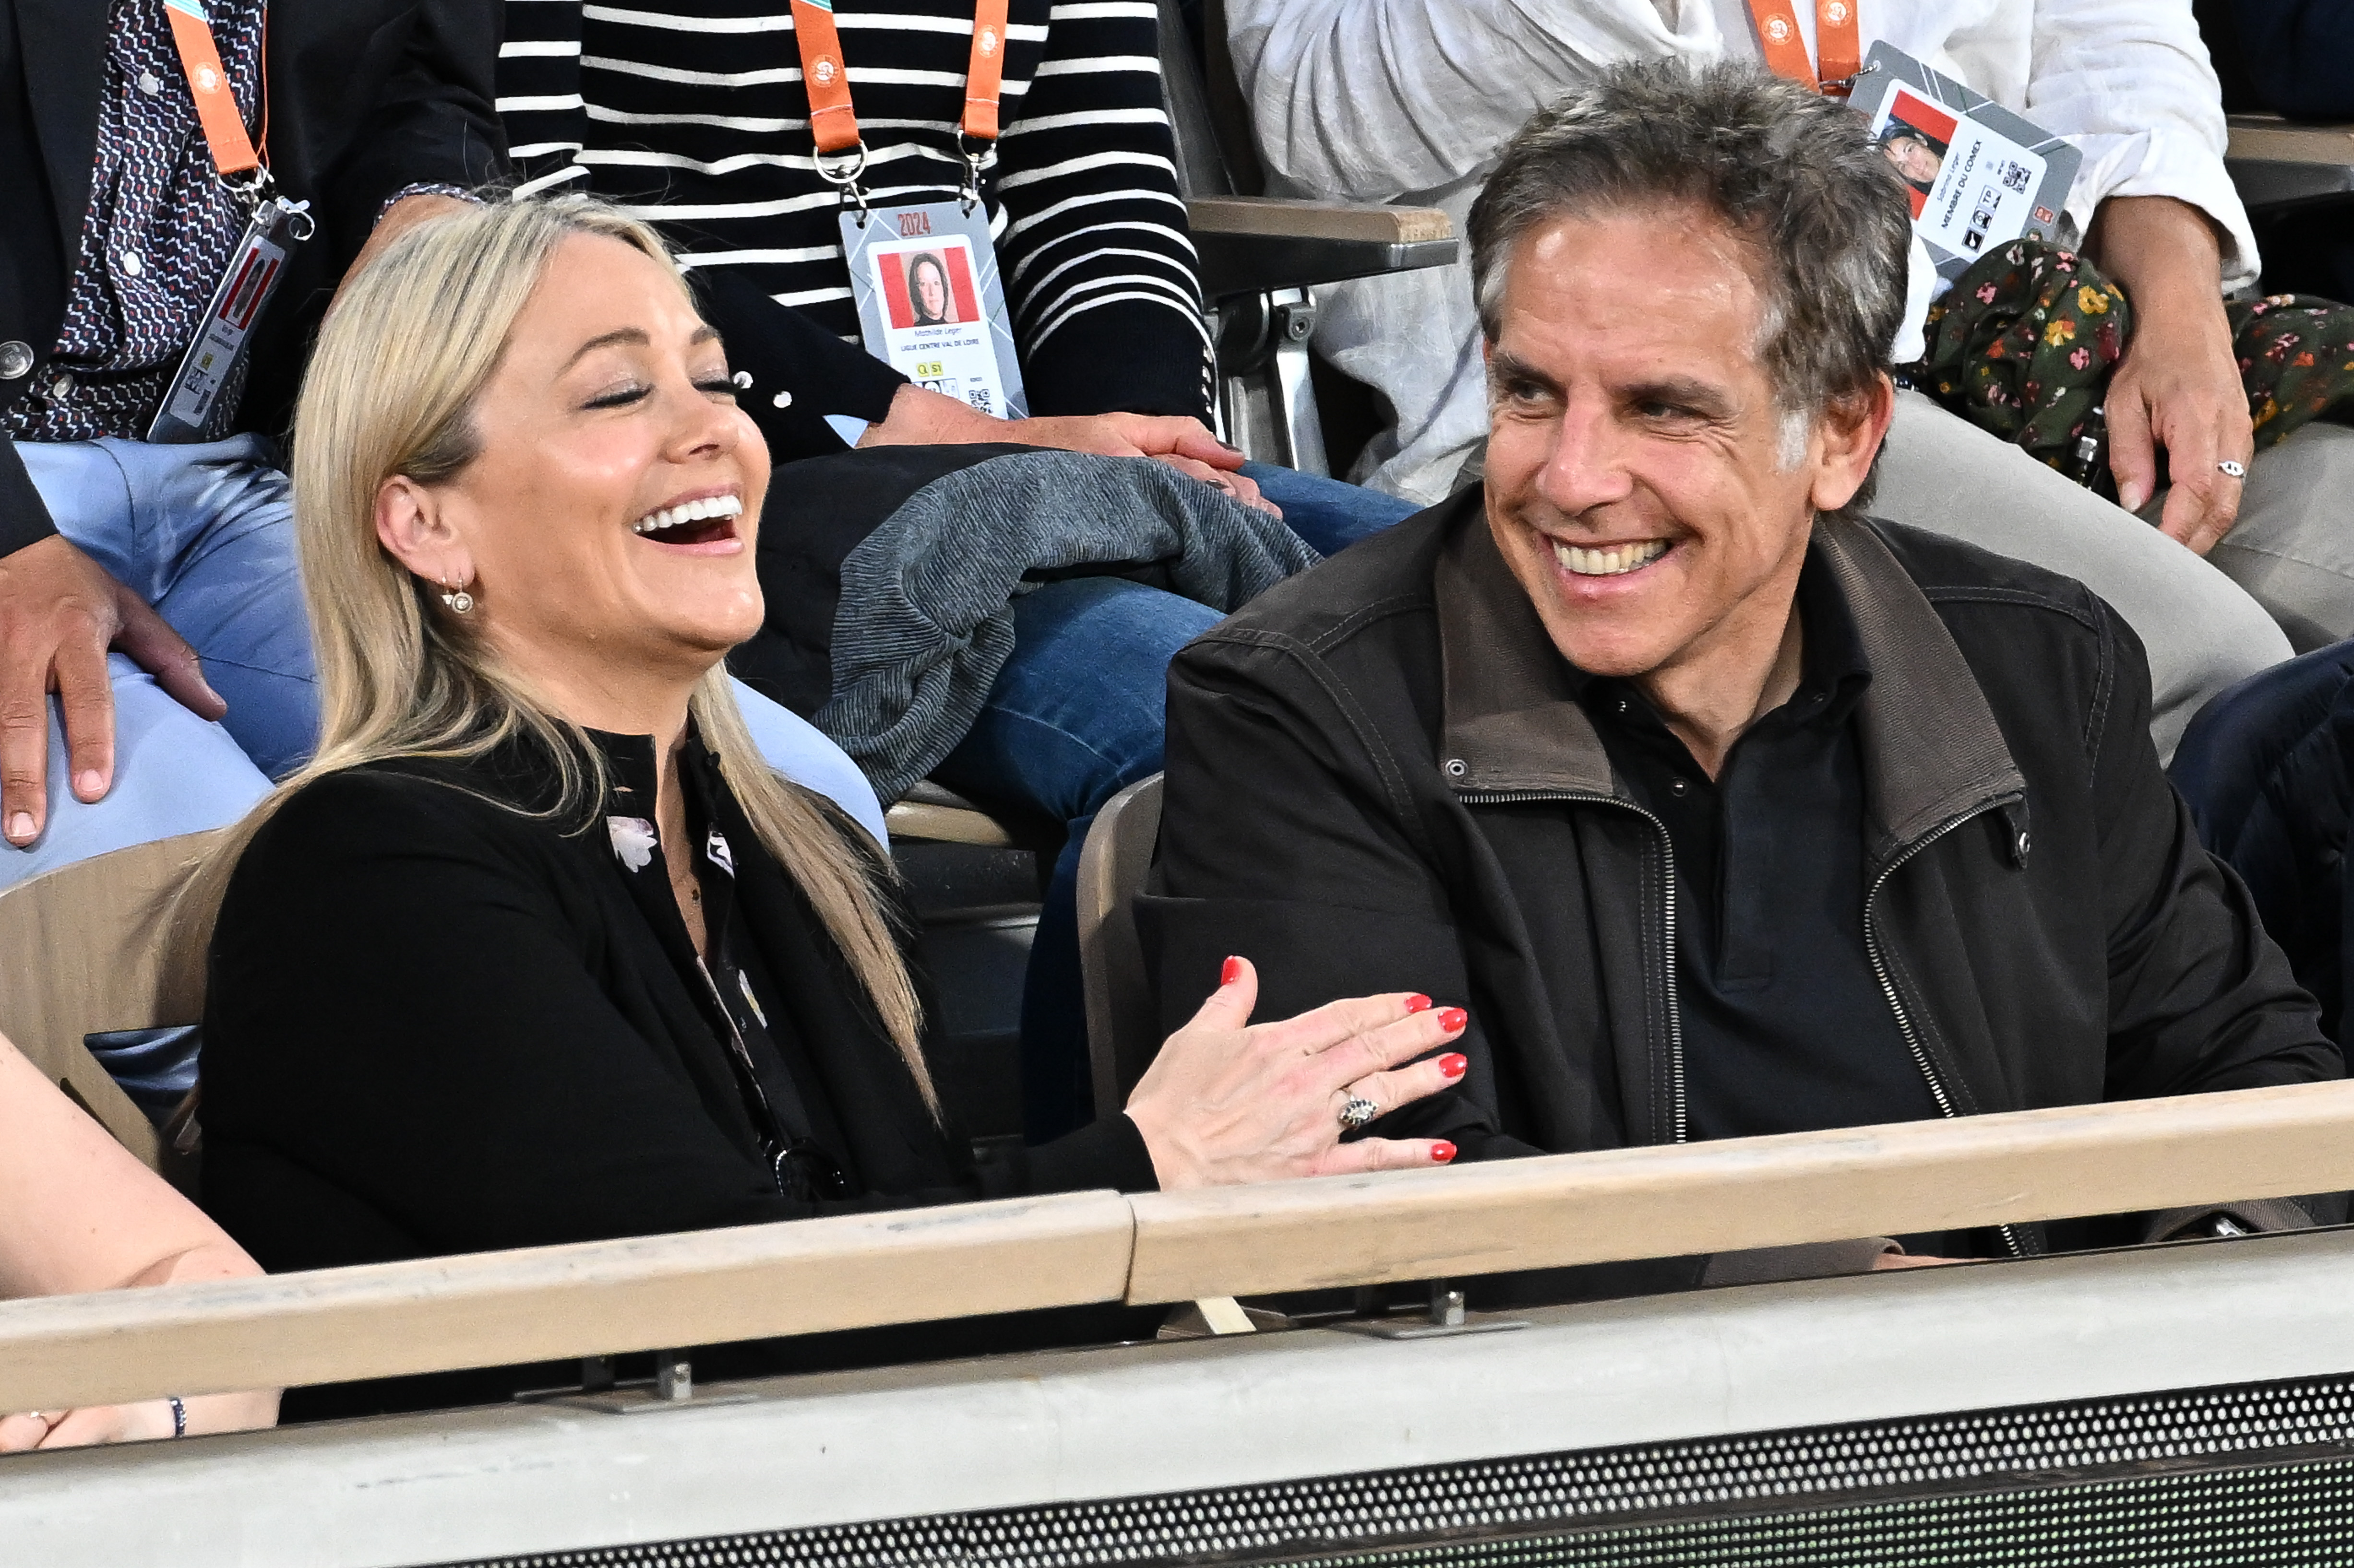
(1937,1091)
(1677,1100)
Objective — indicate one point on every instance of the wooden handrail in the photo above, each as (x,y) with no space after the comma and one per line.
(810,1276)
(1666,1201)
(499,1309)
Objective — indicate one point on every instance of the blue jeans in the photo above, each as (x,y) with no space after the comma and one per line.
(1075,716)
(1330,514)
(206,535)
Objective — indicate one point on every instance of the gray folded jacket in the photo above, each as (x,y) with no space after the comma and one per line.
(891,574)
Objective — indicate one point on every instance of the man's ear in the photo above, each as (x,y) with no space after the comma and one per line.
(412,526)
(1850,431)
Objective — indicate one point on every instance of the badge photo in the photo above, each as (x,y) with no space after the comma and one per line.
(925,285)
(1916,138)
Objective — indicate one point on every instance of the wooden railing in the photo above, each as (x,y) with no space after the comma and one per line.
(916,1265)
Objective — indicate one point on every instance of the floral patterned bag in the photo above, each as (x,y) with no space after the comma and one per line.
(2023,345)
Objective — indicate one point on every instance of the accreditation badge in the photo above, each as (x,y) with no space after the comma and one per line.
(930,303)
(202,397)
(1978,175)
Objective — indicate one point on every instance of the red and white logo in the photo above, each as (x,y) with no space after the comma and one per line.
(987,42)
(1777,31)
(1835,13)
(826,70)
(207,79)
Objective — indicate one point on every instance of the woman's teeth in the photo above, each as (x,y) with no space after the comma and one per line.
(686,512)
(1613,562)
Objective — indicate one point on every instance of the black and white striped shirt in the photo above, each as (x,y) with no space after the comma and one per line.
(691,113)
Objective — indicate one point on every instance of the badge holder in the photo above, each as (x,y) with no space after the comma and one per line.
(201,400)
(1980,175)
(932,304)
(199,403)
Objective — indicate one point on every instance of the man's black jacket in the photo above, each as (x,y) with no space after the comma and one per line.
(364,97)
(1377,781)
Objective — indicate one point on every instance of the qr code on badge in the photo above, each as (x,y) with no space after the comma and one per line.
(978,397)
(2014,176)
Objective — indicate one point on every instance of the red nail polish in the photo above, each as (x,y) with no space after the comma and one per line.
(1453,1064)
(1230,971)
(1417,1002)
(1441,1152)
(1453,1019)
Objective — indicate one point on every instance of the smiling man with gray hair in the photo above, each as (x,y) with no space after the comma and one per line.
(1724,809)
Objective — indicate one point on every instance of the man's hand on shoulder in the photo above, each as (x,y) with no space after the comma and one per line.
(59,613)
(919,417)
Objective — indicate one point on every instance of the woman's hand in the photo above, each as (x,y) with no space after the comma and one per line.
(78,1428)
(136,1423)
(1227,1100)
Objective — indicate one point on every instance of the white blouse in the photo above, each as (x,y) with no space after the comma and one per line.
(1408,100)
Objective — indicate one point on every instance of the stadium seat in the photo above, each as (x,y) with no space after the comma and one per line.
(1123,1026)
(84,950)
(1262,258)
(937,815)
(2277,162)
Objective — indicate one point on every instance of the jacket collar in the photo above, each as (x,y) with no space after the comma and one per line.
(1929,745)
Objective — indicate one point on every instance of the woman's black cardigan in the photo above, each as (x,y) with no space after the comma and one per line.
(437,1024)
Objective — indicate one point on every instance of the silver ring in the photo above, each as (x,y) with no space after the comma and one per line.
(1357,1113)
(2232,470)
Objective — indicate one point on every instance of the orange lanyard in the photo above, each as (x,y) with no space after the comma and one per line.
(1836,33)
(192,35)
(834,125)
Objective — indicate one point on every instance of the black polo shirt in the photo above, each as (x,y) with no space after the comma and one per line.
(1785,1027)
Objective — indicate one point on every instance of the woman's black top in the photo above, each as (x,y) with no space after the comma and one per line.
(439,1024)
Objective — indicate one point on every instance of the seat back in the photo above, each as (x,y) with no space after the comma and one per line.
(1205,165)
(83,951)
(1123,1026)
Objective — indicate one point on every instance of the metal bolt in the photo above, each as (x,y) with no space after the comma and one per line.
(673,1375)
(1446,1304)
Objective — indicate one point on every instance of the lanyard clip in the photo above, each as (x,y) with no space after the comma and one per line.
(1844,87)
(252,186)
(843,174)
(975,153)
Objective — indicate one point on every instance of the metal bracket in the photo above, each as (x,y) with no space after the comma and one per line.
(671,1388)
(1443,1318)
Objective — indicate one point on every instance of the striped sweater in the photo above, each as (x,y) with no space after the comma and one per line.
(691,113)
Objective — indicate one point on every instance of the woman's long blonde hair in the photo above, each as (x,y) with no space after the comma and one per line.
(391,390)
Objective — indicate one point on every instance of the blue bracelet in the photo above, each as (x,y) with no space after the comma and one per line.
(179,1415)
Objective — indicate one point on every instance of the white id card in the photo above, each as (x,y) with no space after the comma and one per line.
(930,303)
(1980,176)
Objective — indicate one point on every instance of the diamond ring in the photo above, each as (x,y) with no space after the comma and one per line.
(2232,469)
(1357,1113)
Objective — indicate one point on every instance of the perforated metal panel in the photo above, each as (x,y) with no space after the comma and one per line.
(2260,1474)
